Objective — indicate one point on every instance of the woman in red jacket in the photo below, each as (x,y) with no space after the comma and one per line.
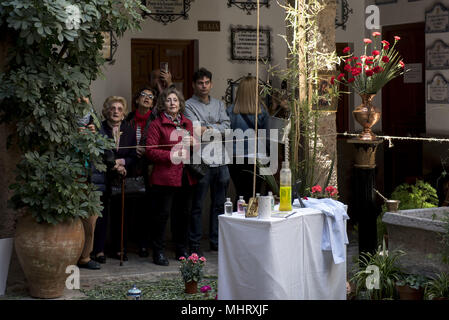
(171,181)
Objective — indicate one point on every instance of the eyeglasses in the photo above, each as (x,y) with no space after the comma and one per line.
(148,95)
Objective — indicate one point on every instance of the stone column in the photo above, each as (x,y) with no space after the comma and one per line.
(364,194)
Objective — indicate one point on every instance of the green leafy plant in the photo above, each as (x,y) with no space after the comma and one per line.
(382,268)
(55,54)
(414,196)
(192,267)
(414,281)
(437,287)
(308,59)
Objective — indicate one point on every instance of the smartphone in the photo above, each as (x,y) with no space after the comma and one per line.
(164,66)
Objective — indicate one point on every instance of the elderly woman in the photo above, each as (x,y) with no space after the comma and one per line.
(140,120)
(171,181)
(119,161)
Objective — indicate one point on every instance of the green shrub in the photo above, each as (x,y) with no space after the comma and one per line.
(419,195)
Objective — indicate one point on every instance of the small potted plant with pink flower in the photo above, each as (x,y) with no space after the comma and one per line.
(192,271)
(367,74)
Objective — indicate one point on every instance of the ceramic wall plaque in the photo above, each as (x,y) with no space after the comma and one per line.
(438,90)
(166,11)
(437,56)
(244,44)
(248,5)
(437,19)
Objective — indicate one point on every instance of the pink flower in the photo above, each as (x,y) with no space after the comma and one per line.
(205,289)
(385,59)
(202,259)
(401,63)
(396,38)
(194,256)
(376,34)
(316,188)
(305,198)
(182,258)
(367,41)
(385,43)
(346,50)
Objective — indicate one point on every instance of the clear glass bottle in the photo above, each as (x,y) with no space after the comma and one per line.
(228,207)
(286,187)
(272,200)
(240,204)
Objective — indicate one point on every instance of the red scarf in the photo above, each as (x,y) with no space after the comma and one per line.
(141,120)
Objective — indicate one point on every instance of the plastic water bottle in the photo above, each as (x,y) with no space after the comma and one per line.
(272,200)
(228,207)
(240,204)
(286,188)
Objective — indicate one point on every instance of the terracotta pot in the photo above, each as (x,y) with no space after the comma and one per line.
(367,116)
(191,287)
(44,252)
(408,293)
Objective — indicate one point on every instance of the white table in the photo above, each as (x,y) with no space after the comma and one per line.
(277,259)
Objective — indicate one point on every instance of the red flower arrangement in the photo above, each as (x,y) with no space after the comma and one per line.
(367,74)
(329,192)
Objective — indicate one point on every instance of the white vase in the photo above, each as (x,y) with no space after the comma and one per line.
(6,246)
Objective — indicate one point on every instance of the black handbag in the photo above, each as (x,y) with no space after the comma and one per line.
(199,170)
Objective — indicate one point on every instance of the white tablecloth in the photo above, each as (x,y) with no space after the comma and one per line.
(277,259)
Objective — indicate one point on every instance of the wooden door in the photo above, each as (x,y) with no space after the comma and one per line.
(146,55)
(404,109)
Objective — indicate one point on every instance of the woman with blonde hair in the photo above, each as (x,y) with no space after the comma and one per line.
(242,114)
(119,161)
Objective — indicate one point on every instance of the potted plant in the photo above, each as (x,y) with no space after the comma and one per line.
(192,271)
(377,274)
(438,287)
(51,65)
(411,287)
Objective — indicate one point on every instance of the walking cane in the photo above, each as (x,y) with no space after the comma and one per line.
(123,220)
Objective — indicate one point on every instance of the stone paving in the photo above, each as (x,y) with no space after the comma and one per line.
(136,268)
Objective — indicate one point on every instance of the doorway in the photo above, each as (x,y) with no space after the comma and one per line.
(404,109)
(181,56)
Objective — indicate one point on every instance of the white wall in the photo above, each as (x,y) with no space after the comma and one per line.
(214,47)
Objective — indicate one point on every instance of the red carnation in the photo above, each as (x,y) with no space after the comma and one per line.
(376,34)
(347,67)
(332,80)
(369,61)
(401,63)
(378,69)
(369,72)
(340,76)
(351,80)
(366,40)
(376,52)
(385,59)
(346,50)
(396,38)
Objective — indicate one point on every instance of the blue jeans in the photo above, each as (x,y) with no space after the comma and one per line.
(218,180)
